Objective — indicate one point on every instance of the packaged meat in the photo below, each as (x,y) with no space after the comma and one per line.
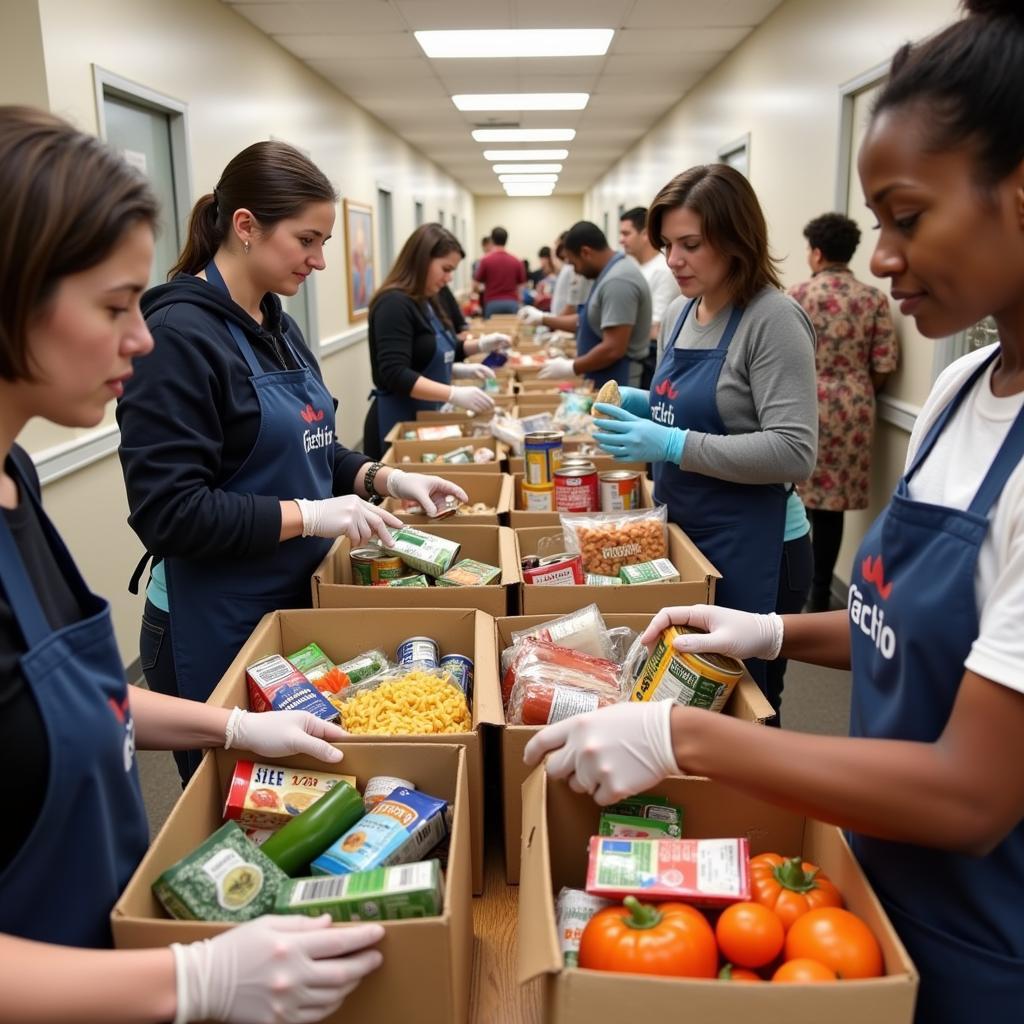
(545,662)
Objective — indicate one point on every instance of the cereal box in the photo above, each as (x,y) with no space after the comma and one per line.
(275,684)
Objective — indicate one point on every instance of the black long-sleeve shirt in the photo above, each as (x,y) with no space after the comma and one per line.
(190,417)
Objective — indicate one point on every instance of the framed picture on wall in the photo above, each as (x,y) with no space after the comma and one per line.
(360,258)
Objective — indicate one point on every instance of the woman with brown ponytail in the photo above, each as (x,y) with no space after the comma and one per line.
(237,483)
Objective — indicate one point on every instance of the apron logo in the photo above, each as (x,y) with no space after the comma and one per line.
(665,389)
(311,415)
(870,618)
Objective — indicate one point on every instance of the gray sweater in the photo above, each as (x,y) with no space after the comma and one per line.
(767,392)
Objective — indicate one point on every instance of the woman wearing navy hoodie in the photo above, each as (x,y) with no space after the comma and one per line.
(237,484)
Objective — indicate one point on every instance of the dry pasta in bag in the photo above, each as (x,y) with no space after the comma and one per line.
(609,540)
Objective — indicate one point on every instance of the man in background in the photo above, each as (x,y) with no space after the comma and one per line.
(502,276)
(636,244)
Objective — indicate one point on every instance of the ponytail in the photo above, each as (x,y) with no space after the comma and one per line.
(205,234)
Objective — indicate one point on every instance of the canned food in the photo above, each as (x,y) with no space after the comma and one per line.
(579,462)
(529,561)
(417,649)
(539,499)
(543,455)
(460,668)
(379,787)
(576,490)
(371,566)
(561,570)
(620,490)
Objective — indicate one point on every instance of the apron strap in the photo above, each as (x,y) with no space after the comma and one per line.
(1006,461)
(213,275)
(730,328)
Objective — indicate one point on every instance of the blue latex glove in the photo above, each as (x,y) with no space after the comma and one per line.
(637,401)
(631,438)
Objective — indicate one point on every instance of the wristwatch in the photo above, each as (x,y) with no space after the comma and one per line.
(375,497)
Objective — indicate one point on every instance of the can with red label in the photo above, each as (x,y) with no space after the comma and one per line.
(576,490)
(620,491)
(556,571)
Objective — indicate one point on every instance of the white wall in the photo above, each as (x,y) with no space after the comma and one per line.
(781,85)
(530,222)
(22,78)
(240,87)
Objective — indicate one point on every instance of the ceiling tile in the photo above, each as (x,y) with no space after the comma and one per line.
(372,46)
(690,14)
(693,40)
(319,17)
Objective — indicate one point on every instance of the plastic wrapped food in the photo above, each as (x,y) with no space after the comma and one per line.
(536,702)
(582,630)
(610,540)
(542,661)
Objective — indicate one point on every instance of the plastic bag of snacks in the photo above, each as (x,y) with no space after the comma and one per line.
(610,540)
(582,630)
(573,412)
(412,700)
(543,660)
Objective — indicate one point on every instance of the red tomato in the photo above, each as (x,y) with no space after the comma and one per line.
(749,934)
(730,973)
(803,971)
(838,939)
(790,886)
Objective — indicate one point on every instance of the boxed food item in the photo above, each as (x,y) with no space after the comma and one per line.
(557,827)
(277,685)
(649,808)
(424,552)
(267,796)
(660,570)
(462,455)
(469,573)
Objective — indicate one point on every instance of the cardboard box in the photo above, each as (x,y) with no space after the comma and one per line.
(556,826)
(495,545)
(697,579)
(530,405)
(415,450)
(746,703)
(493,489)
(344,633)
(436,954)
(540,386)
(602,463)
(520,518)
(505,402)
(399,430)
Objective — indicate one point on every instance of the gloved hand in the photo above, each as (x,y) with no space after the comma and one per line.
(280,733)
(728,631)
(495,342)
(634,439)
(531,316)
(349,515)
(274,969)
(422,488)
(637,401)
(471,371)
(473,399)
(558,368)
(611,753)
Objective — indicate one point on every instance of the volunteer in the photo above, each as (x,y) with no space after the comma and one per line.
(237,483)
(613,325)
(731,419)
(414,354)
(930,785)
(78,248)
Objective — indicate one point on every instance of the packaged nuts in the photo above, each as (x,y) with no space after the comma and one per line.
(608,541)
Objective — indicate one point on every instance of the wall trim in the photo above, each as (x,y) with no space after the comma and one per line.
(898,413)
(339,342)
(847,94)
(63,459)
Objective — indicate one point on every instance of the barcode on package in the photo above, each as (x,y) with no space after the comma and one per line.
(313,890)
(718,866)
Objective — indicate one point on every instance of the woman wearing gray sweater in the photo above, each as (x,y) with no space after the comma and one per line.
(731,420)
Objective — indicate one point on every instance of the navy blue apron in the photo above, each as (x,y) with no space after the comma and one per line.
(587,338)
(392,409)
(738,527)
(91,831)
(913,618)
(215,603)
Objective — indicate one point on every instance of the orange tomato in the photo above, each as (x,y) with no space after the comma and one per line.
(790,886)
(802,971)
(730,973)
(838,939)
(749,934)
(670,939)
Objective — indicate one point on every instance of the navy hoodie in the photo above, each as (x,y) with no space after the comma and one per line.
(189,418)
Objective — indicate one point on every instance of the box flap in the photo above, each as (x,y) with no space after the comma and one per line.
(324,572)
(487,709)
(511,569)
(748,703)
(538,953)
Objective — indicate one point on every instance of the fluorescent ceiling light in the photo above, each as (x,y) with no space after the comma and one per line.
(529,190)
(525,154)
(524,134)
(526,168)
(521,100)
(511,178)
(524,42)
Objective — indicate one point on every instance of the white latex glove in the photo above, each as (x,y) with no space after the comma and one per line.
(274,969)
(280,733)
(471,371)
(611,753)
(349,515)
(727,631)
(473,399)
(558,368)
(531,316)
(422,488)
(495,342)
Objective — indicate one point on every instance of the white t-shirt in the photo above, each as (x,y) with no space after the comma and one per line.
(950,476)
(663,286)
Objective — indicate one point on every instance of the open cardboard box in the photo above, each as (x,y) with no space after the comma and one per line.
(570,446)
(539,386)
(520,518)
(696,584)
(414,451)
(556,826)
(746,703)
(434,953)
(531,404)
(333,586)
(505,402)
(344,633)
(493,489)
